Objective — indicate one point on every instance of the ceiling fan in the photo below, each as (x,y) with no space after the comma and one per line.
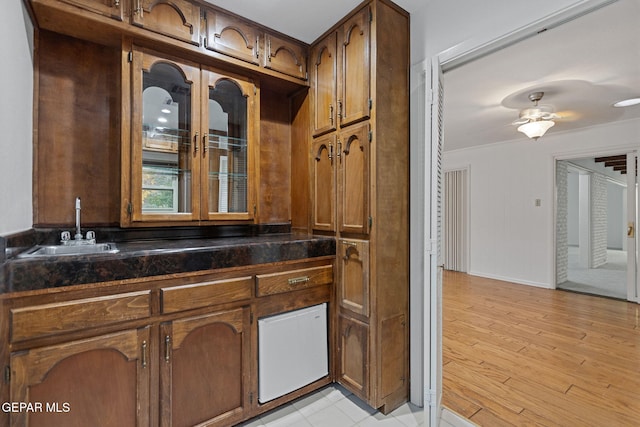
(534,122)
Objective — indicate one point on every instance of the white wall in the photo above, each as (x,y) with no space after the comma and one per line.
(511,239)
(16,111)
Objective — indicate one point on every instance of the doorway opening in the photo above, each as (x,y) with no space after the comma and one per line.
(592,214)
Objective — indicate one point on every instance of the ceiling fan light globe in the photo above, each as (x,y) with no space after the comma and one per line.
(535,130)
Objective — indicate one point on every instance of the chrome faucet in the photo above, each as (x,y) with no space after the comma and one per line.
(77,238)
(78,235)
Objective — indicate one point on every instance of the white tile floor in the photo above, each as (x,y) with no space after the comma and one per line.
(334,406)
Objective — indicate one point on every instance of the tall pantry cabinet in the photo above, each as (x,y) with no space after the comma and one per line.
(359,173)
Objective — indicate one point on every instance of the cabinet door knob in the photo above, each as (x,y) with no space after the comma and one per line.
(204,145)
(195,143)
(349,251)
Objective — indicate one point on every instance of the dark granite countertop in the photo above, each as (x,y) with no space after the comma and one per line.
(157,257)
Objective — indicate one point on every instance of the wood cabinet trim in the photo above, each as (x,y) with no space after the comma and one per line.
(48,319)
(202,294)
(275,283)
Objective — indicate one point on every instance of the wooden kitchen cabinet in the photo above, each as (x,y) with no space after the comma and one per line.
(353,356)
(193,143)
(232,36)
(353,179)
(100,380)
(112,8)
(204,369)
(354,38)
(178,19)
(284,55)
(340,167)
(241,39)
(368,173)
(323,63)
(178,349)
(341,74)
(353,261)
(323,183)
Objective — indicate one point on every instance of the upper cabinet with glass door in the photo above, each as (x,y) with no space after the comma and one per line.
(192,144)
(165,135)
(227,120)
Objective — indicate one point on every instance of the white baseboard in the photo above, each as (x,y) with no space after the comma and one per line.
(510,279)
(450,418)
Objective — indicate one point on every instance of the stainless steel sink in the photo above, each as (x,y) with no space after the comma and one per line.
(64,250)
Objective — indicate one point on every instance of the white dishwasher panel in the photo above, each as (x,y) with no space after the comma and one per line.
(293,351)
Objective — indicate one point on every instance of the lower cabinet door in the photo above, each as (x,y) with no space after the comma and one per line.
(353,350)
(353,270)
(95,381)
(204,369)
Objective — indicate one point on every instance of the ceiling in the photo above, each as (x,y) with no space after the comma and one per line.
(304,20)
(583,66)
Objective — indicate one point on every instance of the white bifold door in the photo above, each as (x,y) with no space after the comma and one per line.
(632,234)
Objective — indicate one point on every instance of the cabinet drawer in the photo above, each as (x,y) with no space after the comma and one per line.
(186,297)
(275,283)
(49,319)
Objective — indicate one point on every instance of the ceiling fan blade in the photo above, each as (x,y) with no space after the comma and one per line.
(519,122)
(549,116)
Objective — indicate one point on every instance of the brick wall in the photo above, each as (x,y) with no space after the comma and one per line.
(562,252)
(598,254)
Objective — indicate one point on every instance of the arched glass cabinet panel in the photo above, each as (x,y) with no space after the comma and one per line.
(164,166)
(230,104)
(193,139)
(228,148)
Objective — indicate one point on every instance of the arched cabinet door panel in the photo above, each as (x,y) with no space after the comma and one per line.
(204,369)
(354,92)
(323,160)
(353,179)
(323,82)
(353,356)
(232,36)
(285,56)
(179,19)
(111,8)
(79,383)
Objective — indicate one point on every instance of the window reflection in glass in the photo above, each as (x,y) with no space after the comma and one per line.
(166,135)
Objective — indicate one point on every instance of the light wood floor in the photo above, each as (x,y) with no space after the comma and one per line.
(517,355)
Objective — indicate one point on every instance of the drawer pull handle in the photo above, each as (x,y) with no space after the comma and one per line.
(298,280)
